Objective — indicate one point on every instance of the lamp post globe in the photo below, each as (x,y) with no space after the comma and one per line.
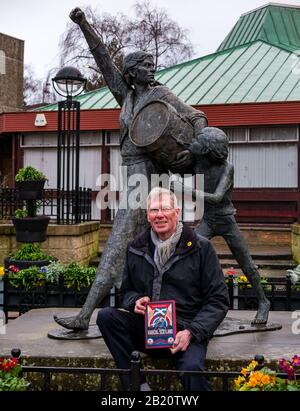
(69,82)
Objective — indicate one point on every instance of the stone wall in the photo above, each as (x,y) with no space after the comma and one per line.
(11,73)
(255,236)
(7,240)
(296,242)
(67,243)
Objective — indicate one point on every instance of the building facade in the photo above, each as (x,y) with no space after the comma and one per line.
(250,87)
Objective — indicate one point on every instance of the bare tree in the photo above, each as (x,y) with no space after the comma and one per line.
(114,33)
(36,91)
(151,29)
(154,31)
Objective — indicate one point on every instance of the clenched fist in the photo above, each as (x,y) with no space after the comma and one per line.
(77,15)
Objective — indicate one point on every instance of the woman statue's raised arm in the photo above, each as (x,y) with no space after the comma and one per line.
(111,73)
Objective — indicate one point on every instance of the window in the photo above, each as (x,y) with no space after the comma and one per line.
(87,139)
(280,133)
(236,134)
(112,138)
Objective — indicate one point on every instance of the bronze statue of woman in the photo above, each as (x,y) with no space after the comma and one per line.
(132,88)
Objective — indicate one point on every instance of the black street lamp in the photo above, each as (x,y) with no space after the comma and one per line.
(68,83)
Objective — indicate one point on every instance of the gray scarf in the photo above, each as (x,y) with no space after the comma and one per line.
(164,249)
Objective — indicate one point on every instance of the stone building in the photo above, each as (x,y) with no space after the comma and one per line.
(11,73)
(11,97)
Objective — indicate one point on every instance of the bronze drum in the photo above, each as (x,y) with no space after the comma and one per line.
(163,133)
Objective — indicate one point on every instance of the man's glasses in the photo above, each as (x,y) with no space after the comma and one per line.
(164,210)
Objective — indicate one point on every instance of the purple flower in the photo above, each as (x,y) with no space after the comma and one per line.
(296,361)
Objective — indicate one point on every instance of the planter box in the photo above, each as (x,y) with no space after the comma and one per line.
(277,291)
(21,300)
(31,229)
(30,190)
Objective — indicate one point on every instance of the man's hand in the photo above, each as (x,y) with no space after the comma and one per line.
(140,305)
(183,160)
(77,15)
(182,341)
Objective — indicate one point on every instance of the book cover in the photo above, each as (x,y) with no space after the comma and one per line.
(160,324)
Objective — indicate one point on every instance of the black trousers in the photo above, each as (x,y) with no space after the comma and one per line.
(123,333)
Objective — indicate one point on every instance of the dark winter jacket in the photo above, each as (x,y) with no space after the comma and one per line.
(192,277)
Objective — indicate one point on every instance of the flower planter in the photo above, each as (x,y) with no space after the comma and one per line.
(24,263)
(30,190)
(31,229)
(49,295)
(245,298)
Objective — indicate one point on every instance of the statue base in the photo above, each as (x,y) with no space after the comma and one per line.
(64,334)
(237,326)
(228,327)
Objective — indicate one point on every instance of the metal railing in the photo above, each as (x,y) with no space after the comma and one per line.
(74,206)
(282,294)
(136,372)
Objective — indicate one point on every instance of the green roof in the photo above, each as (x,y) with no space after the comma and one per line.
(278,25)
(256,70)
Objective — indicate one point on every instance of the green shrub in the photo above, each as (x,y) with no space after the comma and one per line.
(31,252)
(28,278)
(78,276)
(29,174)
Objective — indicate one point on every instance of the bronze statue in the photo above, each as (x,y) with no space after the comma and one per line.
(133,89)
(210,150)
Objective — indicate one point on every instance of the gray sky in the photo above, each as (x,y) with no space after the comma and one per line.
(40,23)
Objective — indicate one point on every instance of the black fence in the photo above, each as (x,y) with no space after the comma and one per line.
(74,206)
(21,300)
(283,295)
(136,373)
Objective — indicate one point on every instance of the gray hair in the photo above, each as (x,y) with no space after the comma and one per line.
(159,192)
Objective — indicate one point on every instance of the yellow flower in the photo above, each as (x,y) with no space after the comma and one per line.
(244,371)
(252,365)
(252,382)
(265,379)
(2,272)
(239,380)
(243,278)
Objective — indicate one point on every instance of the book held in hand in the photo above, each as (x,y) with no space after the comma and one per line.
(160,324)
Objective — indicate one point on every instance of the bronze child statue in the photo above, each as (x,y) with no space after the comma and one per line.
(210,150)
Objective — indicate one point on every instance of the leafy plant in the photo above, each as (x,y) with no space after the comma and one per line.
(231,273)
(294,274)
(19,213)
(28,278)
(29,174)
(53,272)
(78,276)
(10,376)
(74,276)
(31,252)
